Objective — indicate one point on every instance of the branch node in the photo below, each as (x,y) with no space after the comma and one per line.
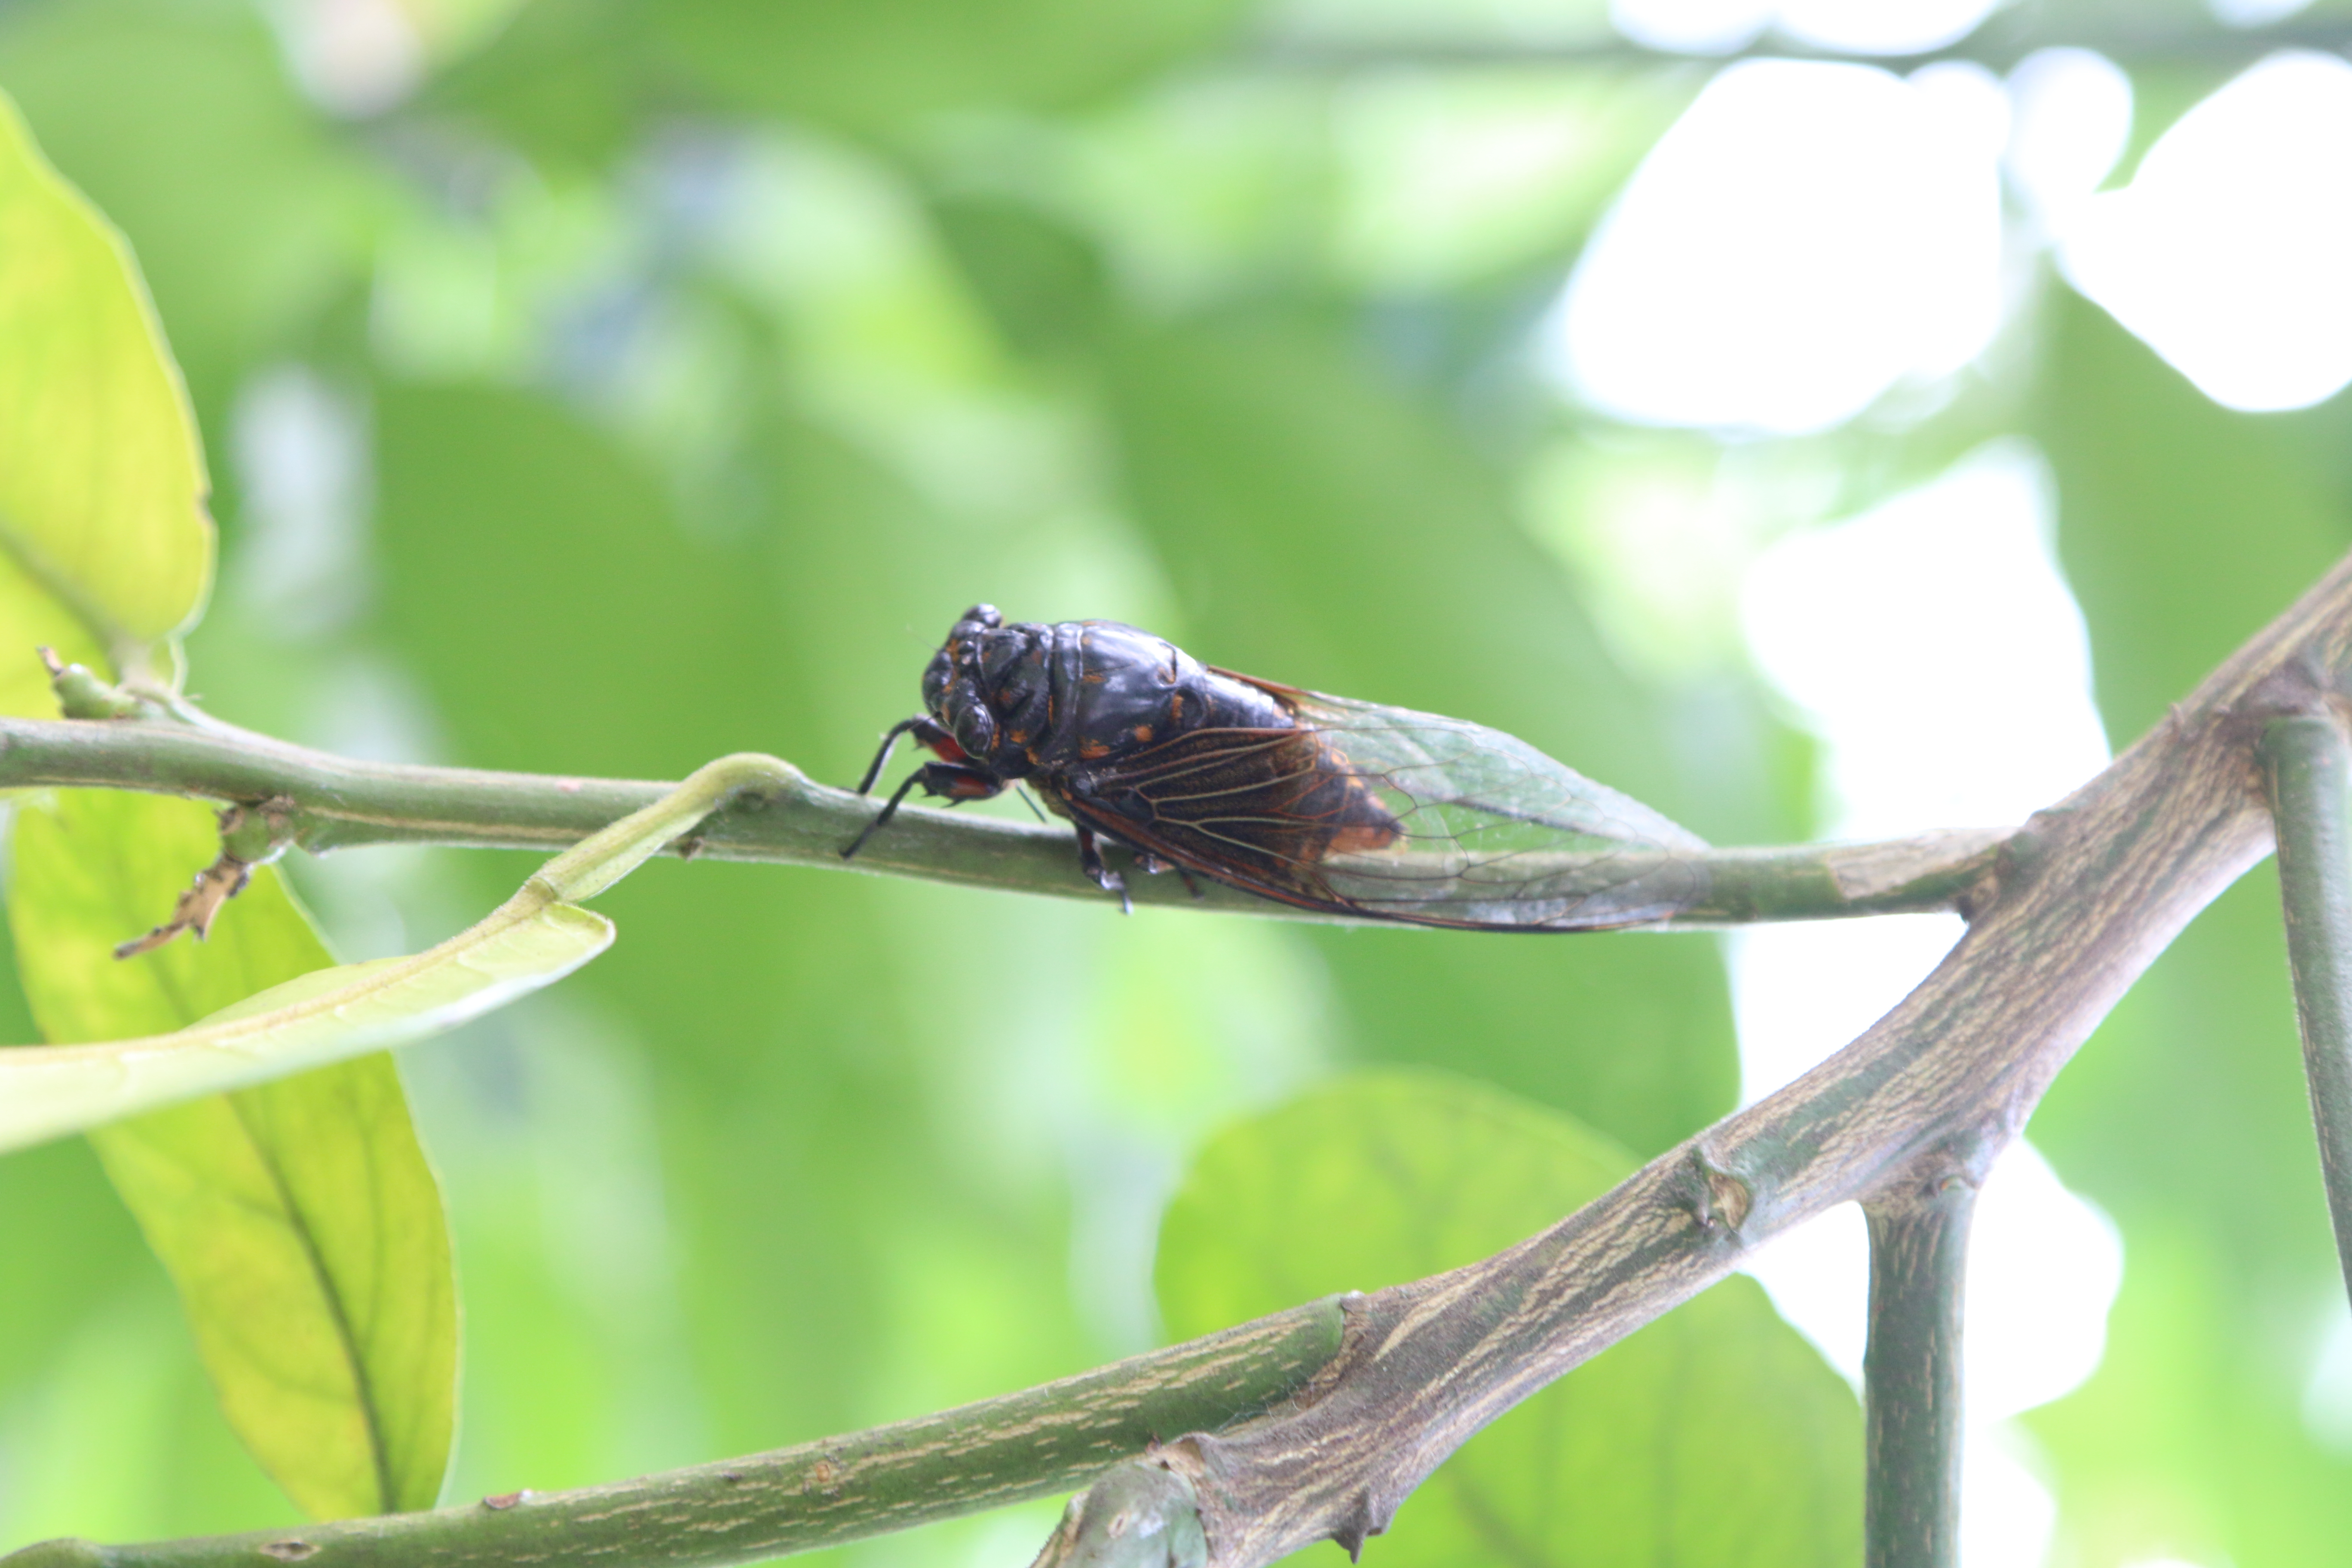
(82,693)
(1718,1198)
(250,837)
(1140,1514)
(1362,1519)
(1353,1325)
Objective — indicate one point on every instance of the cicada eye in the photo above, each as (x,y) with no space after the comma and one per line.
(967,716)
(986,615)
(936,676)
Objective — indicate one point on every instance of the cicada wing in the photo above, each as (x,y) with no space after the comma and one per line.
(1492,832)
(1394,814)
(1257,808)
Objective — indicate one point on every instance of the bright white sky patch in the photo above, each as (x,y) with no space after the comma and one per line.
(1882,27)
(2231,250)
(1860,26)
(1691,26)
(2070,119)
(1804,237)
(1934,648)
(2254,13)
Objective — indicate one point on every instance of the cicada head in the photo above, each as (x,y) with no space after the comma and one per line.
(961,686)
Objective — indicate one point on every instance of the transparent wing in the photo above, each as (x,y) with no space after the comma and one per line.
(1489,831)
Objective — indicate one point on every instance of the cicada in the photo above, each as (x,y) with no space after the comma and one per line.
(1320,802)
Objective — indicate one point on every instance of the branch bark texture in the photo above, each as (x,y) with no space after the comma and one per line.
(2309,770)
(1911,1377)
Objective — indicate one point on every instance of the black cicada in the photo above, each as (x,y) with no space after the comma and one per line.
(1317,800)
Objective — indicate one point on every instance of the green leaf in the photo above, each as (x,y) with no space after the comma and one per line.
(67,906)
(1714,1436)
(298,1219)
(105,548)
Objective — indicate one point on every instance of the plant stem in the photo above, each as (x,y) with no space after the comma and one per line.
(1911,1377)
(2308,766)
(336,803)
(824,1493)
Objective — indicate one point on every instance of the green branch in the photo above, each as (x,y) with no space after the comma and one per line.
(825,1493)
(336,803)
(2308,765)
(1911,1375)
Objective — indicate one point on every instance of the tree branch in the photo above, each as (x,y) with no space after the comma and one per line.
(839,1489)
(336,803)
(2309,767)
(1911,1375)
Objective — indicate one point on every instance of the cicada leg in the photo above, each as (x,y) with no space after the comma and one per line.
(1153,865)
(927,731)
(1091,860)
(958,783)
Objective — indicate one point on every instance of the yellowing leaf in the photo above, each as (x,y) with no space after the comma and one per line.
(105,550)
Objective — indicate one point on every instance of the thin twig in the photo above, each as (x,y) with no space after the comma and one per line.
(334,803)
(1911,1374)
(2308,764)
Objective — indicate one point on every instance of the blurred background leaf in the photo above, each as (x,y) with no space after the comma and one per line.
(1377,1178)
(105,551)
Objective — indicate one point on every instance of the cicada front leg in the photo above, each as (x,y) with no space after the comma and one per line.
(956,781)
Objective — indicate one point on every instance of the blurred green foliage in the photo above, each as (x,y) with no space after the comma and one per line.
(1381,1177)
(695,364)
